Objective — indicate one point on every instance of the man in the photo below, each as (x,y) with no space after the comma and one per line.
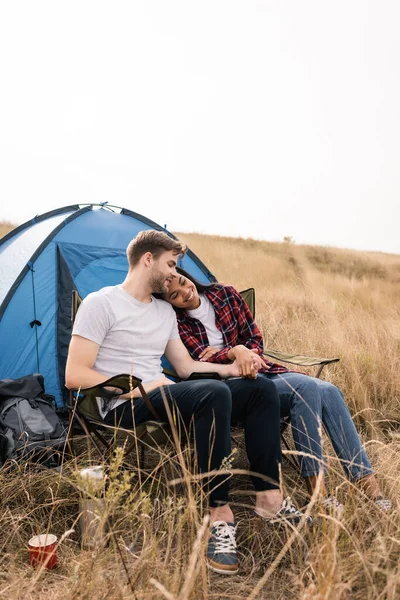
(124,329)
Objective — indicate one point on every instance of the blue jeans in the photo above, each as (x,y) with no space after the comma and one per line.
(311,402)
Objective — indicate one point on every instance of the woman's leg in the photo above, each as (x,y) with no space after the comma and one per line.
(300,397)
(346,441)
(342,432)
(330,407)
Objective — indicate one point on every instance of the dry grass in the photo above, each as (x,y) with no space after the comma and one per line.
(309,300)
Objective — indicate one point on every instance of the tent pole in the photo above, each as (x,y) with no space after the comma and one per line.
(35,322)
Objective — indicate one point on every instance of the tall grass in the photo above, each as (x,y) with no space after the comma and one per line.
(310,300)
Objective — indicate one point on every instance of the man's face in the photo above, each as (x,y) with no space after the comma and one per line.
(163,271)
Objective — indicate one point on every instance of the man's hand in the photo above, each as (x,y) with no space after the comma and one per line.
(184,365)
(208,353)
(154,385)
(233,370)
(248,362)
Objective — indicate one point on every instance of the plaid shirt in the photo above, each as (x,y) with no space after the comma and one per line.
(233,319)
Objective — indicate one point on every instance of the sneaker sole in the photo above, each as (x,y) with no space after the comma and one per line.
(281,520)
(221,571)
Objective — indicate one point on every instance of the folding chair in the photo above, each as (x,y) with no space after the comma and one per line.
(83,410)
(249,296)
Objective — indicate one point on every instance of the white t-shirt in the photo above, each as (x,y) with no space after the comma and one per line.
(206,314)
(132,335)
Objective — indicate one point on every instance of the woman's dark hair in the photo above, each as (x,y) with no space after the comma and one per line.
(200,287)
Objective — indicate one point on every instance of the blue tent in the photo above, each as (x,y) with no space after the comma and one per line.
(78,247)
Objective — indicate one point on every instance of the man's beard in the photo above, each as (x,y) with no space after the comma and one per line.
(158,282)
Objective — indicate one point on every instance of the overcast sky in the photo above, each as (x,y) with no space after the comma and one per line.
(257,119)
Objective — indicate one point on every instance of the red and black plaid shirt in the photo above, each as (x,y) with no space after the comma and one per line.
(233,319)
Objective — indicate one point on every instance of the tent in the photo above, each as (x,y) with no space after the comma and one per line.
(78,247)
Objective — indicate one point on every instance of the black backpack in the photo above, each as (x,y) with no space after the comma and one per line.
(29,425)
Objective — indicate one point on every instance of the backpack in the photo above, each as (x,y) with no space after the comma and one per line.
(29,425)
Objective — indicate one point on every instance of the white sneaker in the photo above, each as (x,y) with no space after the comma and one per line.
(332,506)
(384,504)
(287,513)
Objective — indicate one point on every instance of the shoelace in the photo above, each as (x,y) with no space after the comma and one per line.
(331,502)
(224,537)
(289,508)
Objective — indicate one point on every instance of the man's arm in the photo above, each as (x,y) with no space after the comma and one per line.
(79,371)
(184,364)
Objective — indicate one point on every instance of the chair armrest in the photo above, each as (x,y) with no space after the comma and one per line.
(124,384)
(299,359)
(171,373)
(192,376)
(212,375)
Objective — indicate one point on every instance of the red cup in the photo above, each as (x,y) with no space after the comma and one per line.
(42,550)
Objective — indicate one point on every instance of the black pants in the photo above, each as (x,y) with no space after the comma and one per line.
(213,406)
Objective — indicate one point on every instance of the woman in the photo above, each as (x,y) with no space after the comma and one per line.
(216,325)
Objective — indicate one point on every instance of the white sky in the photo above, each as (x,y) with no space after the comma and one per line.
(257,119)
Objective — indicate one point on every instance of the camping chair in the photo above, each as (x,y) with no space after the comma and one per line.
(249,296)
(83,410)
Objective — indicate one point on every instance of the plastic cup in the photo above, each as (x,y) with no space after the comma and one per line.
(92,517)
(42,550)
(93,479)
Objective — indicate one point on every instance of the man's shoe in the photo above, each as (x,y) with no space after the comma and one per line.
(384,504)
(287,513)
(221,549)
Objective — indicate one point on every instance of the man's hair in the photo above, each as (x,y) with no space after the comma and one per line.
(152,241)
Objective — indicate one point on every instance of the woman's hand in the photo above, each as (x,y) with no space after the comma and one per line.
(208,353)
(248,362)
(258,361)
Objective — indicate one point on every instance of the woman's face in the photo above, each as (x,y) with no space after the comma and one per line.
(182,293)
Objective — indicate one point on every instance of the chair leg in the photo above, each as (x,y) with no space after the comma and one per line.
(142,456)
(69,445)
(70,434)
(289,457)
(108,445)
(285,422)
(90,438)
(319,370)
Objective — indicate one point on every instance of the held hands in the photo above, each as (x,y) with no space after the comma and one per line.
(245,362)
(248,362)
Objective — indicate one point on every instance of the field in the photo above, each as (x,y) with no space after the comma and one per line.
(310,300)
